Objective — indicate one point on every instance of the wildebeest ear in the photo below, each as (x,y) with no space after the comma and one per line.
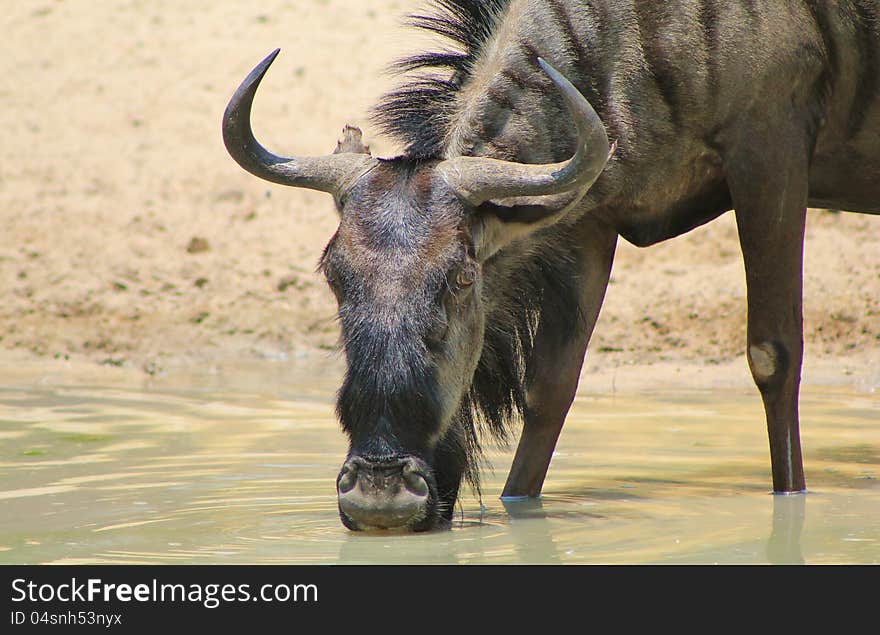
(352,141)
(497,224)
(503,221)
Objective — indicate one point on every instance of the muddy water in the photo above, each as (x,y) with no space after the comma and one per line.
(239,466)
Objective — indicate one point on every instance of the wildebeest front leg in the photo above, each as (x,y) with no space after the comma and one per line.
(556,361)
(770,195)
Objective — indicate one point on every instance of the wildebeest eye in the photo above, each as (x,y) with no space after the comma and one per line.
(466,277)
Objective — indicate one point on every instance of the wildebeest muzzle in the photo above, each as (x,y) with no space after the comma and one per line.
(385,493)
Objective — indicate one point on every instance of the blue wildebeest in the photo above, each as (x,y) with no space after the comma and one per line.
(470,271)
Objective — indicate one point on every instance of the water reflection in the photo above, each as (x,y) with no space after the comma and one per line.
(530,532)
(204,471)
(784,546)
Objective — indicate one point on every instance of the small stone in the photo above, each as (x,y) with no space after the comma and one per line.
(288,281)
(198,245)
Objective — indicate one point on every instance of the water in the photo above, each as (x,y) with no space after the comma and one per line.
(239,467)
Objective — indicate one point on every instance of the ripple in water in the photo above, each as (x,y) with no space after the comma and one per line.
(111,475)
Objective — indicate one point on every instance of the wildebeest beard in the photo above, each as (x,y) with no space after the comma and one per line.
(391,407)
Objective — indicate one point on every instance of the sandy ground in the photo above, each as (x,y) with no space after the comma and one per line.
(131,240)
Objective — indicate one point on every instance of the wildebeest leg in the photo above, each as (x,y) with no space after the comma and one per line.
(769,190)
(556,361)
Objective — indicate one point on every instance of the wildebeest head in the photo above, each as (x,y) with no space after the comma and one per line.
(406,267)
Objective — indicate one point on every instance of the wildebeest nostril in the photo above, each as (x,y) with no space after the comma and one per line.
(347,478)
(414,481)
(347,482)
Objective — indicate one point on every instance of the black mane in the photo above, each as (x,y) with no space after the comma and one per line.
(540,286)
(418,113)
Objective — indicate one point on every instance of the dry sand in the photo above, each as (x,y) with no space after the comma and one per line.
(131,240)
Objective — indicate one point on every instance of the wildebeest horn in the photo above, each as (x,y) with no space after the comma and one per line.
(330,173)
(479,179)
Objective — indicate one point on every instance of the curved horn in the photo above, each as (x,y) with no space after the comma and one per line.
(331,173)
(479,179)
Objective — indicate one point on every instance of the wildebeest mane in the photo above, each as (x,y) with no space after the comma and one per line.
(418,113)
(535,286)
